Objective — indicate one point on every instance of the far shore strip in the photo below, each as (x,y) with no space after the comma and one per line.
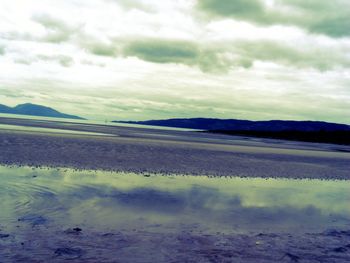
(140,152)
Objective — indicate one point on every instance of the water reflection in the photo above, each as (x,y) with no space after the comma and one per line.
(49,130)
(107,201)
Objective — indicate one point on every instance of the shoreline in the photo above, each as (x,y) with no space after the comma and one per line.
(158,174)
(159,155)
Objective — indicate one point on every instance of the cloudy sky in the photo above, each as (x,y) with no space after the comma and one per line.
(149,59)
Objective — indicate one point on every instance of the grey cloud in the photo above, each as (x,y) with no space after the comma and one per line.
(314,57)
(251,9)
(64,61)
(208,57)
(2,50)
(133,4)
(176,51)
(162,51)
(23,61)
(13,35)
(217,57)
(92,63)
(98,48)
(236,54)
(325,17)
(57,30)
(221,57)
(322,17)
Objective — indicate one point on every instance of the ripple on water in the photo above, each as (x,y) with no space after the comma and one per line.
(51,215)
(113,200)
(22,198)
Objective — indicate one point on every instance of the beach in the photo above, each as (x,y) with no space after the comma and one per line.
(143,150)
(93,192)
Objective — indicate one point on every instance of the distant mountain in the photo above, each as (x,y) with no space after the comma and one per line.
(245,125)
(35,110)
(309,131)
(5,109)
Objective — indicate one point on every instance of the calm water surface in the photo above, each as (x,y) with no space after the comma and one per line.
(95,122)
(105,201)
(49,130)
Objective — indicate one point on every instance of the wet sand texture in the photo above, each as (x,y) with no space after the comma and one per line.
(160,151)
(138,246)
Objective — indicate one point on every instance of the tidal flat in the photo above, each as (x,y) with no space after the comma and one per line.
(92,192)
(98,216)
(139,149)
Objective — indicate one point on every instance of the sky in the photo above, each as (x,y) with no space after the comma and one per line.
(156,59)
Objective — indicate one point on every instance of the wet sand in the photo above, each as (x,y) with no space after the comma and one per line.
(143,150)
(138,246)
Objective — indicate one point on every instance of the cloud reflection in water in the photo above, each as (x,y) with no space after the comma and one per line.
(104,200)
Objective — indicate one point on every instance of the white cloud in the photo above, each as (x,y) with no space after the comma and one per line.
(69,54)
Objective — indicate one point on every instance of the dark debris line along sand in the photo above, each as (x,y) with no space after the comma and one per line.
(162,151)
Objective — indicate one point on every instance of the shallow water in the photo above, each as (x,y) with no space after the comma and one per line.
(51,215)
(49,130)
(96,122)
(104,201)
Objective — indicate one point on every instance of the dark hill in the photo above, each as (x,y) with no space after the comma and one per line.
(245,125)
(309,131)
(35,110)
(5,109)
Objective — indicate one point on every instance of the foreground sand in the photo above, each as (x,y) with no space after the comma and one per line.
(138,246)
(160,151)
